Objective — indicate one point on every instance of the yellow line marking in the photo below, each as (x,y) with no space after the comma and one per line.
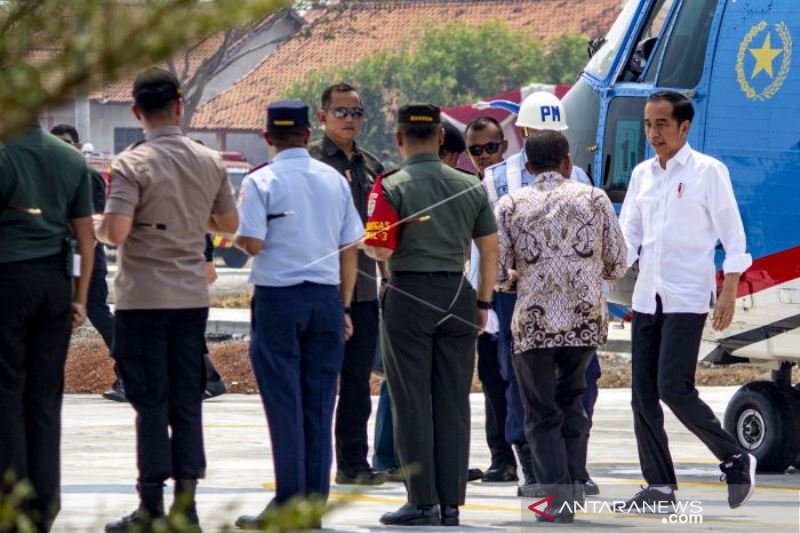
(367,498)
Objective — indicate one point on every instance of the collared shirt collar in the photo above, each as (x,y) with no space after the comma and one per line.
(421,158)
(331,149)
(163,131)
(291,153)
(680,158)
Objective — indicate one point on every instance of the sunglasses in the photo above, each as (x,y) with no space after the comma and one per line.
(344,112)
(489,148)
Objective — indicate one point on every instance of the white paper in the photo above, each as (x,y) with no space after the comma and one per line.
(76,266)
(492,323)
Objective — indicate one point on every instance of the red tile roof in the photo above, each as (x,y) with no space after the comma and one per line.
(361,28)
(119,92)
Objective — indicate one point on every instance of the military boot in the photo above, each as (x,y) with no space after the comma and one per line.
(529,487)
(151,508)
(183,510)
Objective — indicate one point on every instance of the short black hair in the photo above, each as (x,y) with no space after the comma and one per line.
(682,108)
(287,137)
(546,149)
(420,132)
(327,94)
(66,129)
(482,123)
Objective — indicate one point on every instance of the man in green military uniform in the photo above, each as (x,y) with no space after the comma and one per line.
(45,193)
(422,219)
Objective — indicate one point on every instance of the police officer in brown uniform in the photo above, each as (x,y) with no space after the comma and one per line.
(166,193)
(425,215)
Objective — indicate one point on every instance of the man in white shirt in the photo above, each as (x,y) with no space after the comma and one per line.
(678,206)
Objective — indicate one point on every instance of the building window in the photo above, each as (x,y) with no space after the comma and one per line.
(124,137)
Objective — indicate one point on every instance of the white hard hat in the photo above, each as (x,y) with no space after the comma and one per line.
(87,148)
(542,111)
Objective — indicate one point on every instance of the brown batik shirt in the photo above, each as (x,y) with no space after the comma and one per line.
(563,240)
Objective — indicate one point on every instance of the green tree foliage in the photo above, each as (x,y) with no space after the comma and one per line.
(49,49)
(566,58)
(446,65)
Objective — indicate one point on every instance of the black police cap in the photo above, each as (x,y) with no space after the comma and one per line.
(453,139)
(419,114)
(287,114)
(155,88)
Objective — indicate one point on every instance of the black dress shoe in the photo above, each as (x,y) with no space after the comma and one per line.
(258,522)
(449,515)
(413,515)
(214,389)
(360,477)
(500,474)
(474,474)
(393,475)
(116,393)
(590,488)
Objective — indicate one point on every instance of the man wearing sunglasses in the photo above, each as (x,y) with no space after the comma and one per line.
(486,145)
(342,116)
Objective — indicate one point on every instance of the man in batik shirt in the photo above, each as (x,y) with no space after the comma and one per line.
(559,241)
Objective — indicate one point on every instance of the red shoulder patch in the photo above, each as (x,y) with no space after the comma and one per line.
(382,219)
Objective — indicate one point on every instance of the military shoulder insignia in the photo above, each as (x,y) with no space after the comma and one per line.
(382,219)
(758,57)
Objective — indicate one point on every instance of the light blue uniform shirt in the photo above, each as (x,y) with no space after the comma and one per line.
(511,174)
(318,218)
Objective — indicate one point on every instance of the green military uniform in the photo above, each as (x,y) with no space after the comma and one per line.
(44,183)
(429,321)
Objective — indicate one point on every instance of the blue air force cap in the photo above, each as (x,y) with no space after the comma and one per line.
(287,114)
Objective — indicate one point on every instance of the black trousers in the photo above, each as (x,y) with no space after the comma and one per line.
(97,309)
(552,383)
(159,354)
(355,402)
(494,395)
(664,351)
(428,337)
(35,326)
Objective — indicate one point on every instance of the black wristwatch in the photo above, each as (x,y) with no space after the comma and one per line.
(484,305)
(347,310)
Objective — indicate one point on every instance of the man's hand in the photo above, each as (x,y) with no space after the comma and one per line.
(348,327)
(78,315)
(724,310)
(97,219)
(211,272)
(483,318)
(512,274)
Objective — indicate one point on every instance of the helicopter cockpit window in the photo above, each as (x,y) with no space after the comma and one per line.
(605,51)
(684,59)
(643,53)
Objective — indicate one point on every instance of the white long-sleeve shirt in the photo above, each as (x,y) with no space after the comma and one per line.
(672,219)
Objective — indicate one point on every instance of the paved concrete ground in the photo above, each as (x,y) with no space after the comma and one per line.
(99,472)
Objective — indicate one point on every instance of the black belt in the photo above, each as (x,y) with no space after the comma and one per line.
(437,274)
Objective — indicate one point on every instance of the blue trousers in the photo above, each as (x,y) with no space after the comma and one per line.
(296,351)
(515,418)
(383,457)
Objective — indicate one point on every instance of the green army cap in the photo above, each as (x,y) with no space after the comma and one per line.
(419,114)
